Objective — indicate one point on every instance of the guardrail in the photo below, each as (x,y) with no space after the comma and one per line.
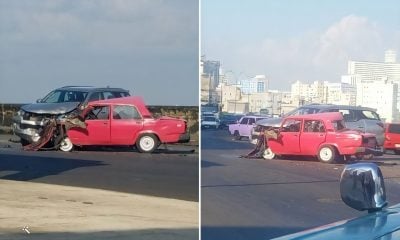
(189,113)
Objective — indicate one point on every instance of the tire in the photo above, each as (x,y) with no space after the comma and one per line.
(236,135)
(327,154)
(24,142)
(147,143)
(66,145)
(268,154)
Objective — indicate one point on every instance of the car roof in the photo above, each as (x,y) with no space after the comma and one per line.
(333,106)
(91,88)
(322,116)
(132,100)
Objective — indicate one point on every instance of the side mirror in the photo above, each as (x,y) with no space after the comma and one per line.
(38,100)
(362,187)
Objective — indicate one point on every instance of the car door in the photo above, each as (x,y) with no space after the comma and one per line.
(245,129)
(125,125)
(312,136)
(288,141)
(243,126)
(97,130)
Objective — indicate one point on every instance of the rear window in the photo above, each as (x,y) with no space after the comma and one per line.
(210,119)
(370,115)
(394,128)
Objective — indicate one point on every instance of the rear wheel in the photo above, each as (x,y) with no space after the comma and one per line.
(147,143)
(327,154)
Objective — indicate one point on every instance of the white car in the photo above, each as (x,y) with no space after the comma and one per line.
(244,126)
(210,122)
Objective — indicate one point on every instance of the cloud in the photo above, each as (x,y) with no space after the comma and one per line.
(313,56)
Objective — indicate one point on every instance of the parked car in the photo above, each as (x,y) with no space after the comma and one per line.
(244,126)
(362,187)
(125,121)
(210,122)
(228,119)
(65,102)
(323,135)
(357,118)
(392,137)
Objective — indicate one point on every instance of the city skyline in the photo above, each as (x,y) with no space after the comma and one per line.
(286,43)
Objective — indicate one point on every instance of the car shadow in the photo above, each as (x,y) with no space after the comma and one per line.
(21,167)
(161,150)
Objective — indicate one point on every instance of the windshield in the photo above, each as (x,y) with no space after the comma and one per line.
(59,96)
(302,111)
(210,119)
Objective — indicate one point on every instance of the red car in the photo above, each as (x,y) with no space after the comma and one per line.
(323,135)
(392,137)
(125,121)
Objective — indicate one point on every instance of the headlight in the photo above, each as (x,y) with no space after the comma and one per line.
(20,112)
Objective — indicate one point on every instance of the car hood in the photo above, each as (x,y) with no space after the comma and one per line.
(374,225)
(50,108)
(270,122)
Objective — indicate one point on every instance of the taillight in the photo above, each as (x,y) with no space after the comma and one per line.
(387,138)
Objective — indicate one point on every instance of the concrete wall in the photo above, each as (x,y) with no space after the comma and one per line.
(189,113)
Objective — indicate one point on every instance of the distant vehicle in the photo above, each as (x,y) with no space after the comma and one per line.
(228,119)
(392,137)
(64,102)
(362,187)
(210,122)
(244,126)
(357,118)
(323,135)
(125,121)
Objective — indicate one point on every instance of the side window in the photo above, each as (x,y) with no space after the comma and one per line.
(96,96)
(348,115)
(244,121)
(99,113)
(291,125)
(313,126)
(251,121)
(125,112)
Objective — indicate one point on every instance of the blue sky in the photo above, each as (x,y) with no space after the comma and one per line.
(305,40)
(149,47)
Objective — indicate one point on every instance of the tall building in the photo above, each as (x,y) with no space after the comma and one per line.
(305,93)
(211,68)
(258,84)
(376,82)
(340,93)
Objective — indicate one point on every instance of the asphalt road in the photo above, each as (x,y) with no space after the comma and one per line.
(261,199)
(171,173)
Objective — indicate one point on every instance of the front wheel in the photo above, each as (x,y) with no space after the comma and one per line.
(268,154)
(66,145)
(236,135)
(147,143)
(327,154)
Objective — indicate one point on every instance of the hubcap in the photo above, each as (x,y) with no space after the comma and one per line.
(147,143)
(268,154)
(325,154)
(66,145)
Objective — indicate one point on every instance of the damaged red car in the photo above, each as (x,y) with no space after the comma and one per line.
(118,121)
(323,135)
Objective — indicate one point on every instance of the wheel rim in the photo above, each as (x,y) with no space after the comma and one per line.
(268,154)
(147,143)
(326,154)
(66,145)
